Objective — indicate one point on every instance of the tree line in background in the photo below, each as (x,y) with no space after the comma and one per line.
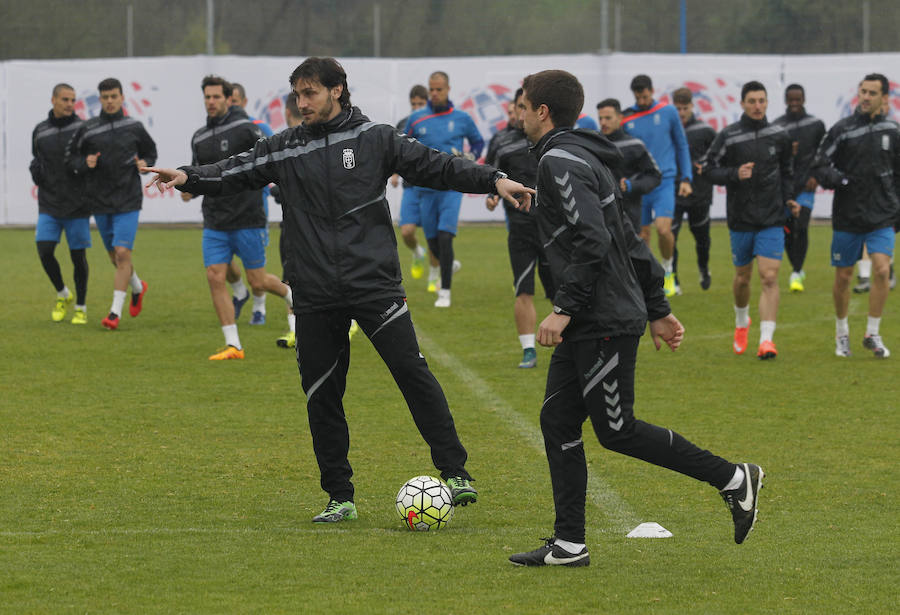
(99,28)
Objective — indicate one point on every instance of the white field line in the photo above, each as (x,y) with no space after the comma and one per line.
(237,531)
(619,516)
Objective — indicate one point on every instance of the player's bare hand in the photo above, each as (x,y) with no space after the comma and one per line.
(395,180)
(550,330)
(795,207)
(140,163)
(668,330)
(91,160)
(623,185)
(491,202)
(514,192)
(684,189)
(811,185)
(186,196)
(698,168)
(745,171)
(165,178)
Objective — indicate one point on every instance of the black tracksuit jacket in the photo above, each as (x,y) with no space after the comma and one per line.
(114,185)
(700,136)
(342,250)
(807,131)
(222,137)
(758,202)
(860,159)
(60,193)
(608,280)
(638,167)
(510,152)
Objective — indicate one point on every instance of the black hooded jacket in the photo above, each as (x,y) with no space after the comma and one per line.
(638,168)
(338,231)
(60,193)
(807,131)
(607,278)
(510,152)
(700,136)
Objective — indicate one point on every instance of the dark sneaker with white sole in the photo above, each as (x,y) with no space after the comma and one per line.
(336,512)
(874,343)
(463,493)
(742,502)
(551,554)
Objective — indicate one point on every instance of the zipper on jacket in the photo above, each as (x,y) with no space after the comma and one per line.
(334,233)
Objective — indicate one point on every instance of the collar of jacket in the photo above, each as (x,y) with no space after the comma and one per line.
(59,122)
(748,122)
(317,131)
(616,135)
(539,147)
(448,107)
(795,117)
(233,112)
(112,117)
(865,118)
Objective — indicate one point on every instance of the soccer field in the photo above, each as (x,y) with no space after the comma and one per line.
(136,476)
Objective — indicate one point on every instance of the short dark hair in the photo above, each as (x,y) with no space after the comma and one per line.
(518,93)
(751,86)
(326,71)
(560,91)
(61,86)
(418,91)
(290,105)
(227,88)
(640,83)
(110,83)
(682,96)
(885,84)
(441,74)
(795,86)
(235,86)
(610,102)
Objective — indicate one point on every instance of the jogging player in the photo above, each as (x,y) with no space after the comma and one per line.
(509,151)
(233,225)
(657,125)
(752,159)
(608,287)
(639,173)
(343,260)
(107,152)
(61,204)
(696,205)
(860,159)
(806,133)
(441,126)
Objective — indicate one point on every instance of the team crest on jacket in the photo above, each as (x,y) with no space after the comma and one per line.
(349,159)
(223,145)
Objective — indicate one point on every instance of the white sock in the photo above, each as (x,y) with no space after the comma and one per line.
(527,340)
(231,336)
(64,293)
(118,302)
(864,268)
(136,286)
(419,252)
(239,290)
(841,327)
(289,298)
(572,547)
(434,273)
(259,303)
(766,330)
(667,264)
(83,308)
(872,325)
(736,480)
(742,317)
(292,323)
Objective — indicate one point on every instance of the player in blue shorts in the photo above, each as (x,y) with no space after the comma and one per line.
(752,159)
(61,206)
(860,159)
(440,126)
(107,152)
(659,127)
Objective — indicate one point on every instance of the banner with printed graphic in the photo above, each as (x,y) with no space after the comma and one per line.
(164,93)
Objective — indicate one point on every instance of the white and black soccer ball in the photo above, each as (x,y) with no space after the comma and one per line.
(424,503)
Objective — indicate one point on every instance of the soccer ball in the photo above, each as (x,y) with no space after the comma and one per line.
(424,503)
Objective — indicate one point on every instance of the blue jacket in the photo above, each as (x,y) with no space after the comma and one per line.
(445,129)
(660,129)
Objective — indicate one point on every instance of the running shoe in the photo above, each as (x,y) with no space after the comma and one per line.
(336,512)
(529,358)
(238,304)
(796,285)
(258,318)
(79,317)
(418,267)
(743,501)
(62,305)
(463,493)
(740,339)
(551,554)
(137,300)
(705,279)
(111,321)
(229,352)
(288,340)
(842,346)
(767,350)
(862,285)
(874,343)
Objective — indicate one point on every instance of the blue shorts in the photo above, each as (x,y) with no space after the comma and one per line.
(118,229)
(846,248)
(658,203)
(219,247)
(745,245)
(440,211)
(409,207)
(78,230)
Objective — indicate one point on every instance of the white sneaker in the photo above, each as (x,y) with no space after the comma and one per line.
(842,346)
(874,343)
(443,300)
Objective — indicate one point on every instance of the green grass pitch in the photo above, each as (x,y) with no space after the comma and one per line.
(136,476)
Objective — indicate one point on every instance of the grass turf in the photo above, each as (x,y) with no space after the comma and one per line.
(137,476)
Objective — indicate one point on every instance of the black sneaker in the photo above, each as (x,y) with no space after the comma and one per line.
(463,493)
(862,285)
(551,554)
(705,279)
(742,502)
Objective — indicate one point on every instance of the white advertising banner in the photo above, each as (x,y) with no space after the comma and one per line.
(164,93)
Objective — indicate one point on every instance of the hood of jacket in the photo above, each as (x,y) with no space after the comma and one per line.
(592,140)
(235,112)
(347,118)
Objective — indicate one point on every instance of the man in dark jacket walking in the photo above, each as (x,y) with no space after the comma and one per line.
(860,159)
(61,205)
(107,151)
(608,287)
(752,159)
(343,260)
